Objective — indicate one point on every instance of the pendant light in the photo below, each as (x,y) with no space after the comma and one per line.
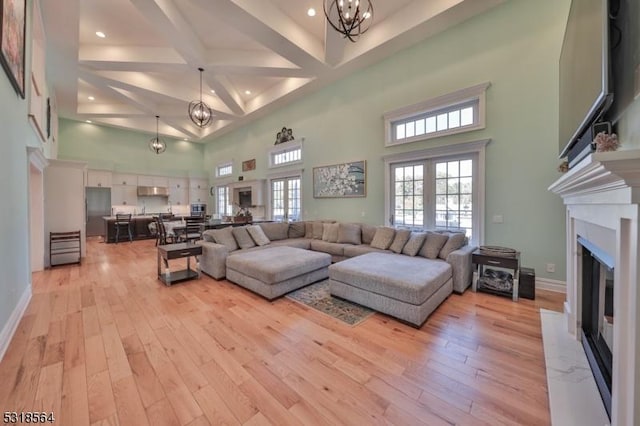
(199,112)
(349,17)
(156,144)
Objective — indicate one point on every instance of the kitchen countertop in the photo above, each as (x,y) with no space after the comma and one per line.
(144,216)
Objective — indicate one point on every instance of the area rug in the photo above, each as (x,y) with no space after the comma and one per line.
(317,296)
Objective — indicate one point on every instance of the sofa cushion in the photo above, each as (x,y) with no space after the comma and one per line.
(302,243)
(242,237)
(409,279)
(208,236)
(414,244)
(258,236)
(455,241)
(330,232)
(225,237)
(383,237)
(308,229)
(318,229)
(368,231)
(275,230)
(400,239)
(352,251)
(349,233)
(335,249)
(297,230)
(432,245)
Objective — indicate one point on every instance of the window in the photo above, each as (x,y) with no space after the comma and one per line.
(286,199)
(457,112)
(225,169)
(285,154)
(223,201)
(439,188)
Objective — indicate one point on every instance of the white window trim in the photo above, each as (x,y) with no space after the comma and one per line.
(287,146)
(478,146)
(224,164)
(477,92)
(282,175)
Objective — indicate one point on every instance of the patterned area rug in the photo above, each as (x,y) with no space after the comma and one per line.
(317,297)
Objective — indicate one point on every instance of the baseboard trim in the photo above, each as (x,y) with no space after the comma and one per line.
(551,285)
(10,327)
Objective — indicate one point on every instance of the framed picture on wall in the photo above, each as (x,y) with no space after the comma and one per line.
(12,41)
(340,180)
(249,165)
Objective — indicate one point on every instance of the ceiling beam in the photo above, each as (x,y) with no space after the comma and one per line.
(226,92)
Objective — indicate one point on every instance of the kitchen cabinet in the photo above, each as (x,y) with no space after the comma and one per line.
(178,183)
(124,195)
(178,197)
(99,178)
(160,181)
(125,179)
(198,196)
(199,184)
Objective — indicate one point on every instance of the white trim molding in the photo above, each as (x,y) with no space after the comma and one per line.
(37,158)
(12,324)
(548,284)
(283,148)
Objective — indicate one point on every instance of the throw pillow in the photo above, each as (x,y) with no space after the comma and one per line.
(275,230)
(256,232)
(242,237)
(414,244)
(330,232)
(207,236)
(297,230)
(383,238)
(432,245)
(308,230)
(225,237)
(455,241)
(401,238)
(368,231)
(318,228)
(349,233)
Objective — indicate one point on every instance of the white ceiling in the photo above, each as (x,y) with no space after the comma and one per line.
(147,65)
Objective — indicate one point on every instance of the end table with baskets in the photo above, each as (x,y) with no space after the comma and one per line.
(496,281)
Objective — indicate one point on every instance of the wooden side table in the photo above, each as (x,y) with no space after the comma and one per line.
(177,251)
(513,263)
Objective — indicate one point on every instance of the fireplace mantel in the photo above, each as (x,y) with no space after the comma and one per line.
(602,195)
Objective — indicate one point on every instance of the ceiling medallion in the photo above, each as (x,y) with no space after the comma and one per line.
(156,144)
(199,112)
(349,17)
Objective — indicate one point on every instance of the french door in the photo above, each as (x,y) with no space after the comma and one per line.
(286,201)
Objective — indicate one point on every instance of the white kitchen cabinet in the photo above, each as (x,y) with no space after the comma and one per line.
(160,181)
(179,196)
(199,184)
(125,179)
(124,195)
(99,178)
(178,183)
(198,195)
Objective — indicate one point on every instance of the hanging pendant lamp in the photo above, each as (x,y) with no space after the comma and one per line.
(349,17)
(156,144)
(199,112)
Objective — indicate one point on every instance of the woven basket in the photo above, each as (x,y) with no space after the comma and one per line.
(498,251)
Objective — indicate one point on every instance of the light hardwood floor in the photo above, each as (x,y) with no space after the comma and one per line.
(105,343)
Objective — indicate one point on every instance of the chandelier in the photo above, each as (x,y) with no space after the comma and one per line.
(349,17)
(199,112)
(156,144)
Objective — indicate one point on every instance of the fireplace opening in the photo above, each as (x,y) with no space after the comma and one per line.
(598,315)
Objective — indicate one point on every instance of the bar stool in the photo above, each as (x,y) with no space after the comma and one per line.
(123,221)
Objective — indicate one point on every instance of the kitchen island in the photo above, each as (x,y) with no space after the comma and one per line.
(139,228)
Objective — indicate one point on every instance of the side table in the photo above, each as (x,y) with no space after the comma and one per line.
(168,252)
(513,263)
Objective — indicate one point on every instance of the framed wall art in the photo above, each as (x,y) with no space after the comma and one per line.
(12,41)
(340,180)
(249,165)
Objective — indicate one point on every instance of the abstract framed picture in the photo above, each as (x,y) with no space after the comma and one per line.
(340,180)
(12,41)
(249,165)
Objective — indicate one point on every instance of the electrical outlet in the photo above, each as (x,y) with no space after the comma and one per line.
(497,218)
(551,267)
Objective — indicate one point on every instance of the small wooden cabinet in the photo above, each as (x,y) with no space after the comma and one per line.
(65,248)
(513,263)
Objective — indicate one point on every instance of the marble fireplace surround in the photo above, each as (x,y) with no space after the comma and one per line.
(602,195)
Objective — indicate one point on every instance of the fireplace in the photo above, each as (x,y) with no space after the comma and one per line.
(602,199)
(597,315)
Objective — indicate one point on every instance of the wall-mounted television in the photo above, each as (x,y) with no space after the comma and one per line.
(585,91)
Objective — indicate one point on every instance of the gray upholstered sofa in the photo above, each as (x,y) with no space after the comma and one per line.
(399,272)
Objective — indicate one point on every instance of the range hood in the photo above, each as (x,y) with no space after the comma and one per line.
(152,191)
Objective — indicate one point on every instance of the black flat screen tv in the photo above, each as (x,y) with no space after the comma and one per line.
(585,92)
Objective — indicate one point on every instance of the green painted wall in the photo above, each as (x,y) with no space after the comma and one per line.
(17,135)
(516,47)
(126,151)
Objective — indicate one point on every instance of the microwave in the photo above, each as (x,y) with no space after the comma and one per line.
(198,209)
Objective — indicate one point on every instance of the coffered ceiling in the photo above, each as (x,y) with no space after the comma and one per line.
(258,55)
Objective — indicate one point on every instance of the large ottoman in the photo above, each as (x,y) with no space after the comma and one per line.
(274,271)
(405,287)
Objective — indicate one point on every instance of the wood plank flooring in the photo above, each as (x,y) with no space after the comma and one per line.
(105,343)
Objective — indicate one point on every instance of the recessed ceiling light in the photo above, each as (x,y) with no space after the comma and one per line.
(91,98)
(366,15)
(88,121)
(213,91)
(100,34)
(311,12)
(247,92)
(185,139)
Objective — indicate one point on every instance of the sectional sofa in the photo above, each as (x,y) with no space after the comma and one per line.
(402,273)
